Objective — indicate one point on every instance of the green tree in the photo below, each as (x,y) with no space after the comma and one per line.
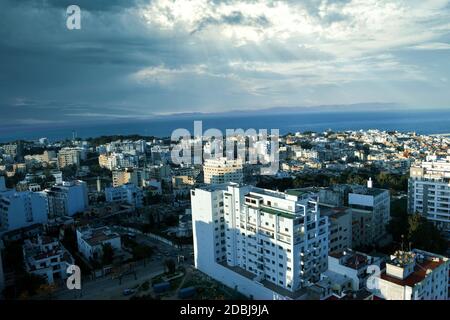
(422,234)
(398,225)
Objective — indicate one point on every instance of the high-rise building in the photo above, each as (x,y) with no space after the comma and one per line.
(67,199)
(266,244)
(414,275)
(370,210)
(121,177)
(128,193)
(429,191)
(22,209)
(223,170)
(69,156)
(340,228)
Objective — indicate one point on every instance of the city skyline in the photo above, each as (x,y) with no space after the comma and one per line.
(140,58)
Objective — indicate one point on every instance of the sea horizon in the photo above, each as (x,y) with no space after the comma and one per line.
(422,122)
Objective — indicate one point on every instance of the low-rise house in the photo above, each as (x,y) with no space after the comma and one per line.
(47,257)
(127,193)
(91,241)
(353,265)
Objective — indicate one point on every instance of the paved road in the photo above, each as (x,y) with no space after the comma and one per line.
(107,288)
(164,250)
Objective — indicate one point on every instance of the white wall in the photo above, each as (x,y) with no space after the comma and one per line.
(335,266)
(18,210)
(360,199)
(77,200)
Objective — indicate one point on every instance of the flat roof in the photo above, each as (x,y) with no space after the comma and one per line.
(419,274)
(333,212)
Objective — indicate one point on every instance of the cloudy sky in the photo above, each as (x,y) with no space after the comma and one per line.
(139,58)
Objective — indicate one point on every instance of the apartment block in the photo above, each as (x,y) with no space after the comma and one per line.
(414,275)
(128,175)
(46,157)
(47,257)
(223,170)
(22,209)
(429,191)
(127,193)
(68,157)
(340,227)
(370,210)
(267,244)
(67,198)
(115,161)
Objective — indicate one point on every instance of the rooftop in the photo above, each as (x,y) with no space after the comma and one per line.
(333,212)
(351,259)
(97,236)
(421,270)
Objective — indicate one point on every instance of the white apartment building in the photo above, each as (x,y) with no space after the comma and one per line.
(91,240)
(69,156)
(127,146)
(22,209)
(10,149)
(67,199)
(223,170)
(46,157)
(266,244)
(353,265)
(128,193)
(118,160)
(429,191)
(414,275)
(107,161)
(47,257)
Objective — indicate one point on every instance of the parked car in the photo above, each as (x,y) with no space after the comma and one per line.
(128,292)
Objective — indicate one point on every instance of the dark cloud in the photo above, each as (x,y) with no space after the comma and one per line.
(234,18)
(49,73)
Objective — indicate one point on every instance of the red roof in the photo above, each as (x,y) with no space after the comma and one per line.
(417,276)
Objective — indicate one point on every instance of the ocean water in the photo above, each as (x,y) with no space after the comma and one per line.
(422,122)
